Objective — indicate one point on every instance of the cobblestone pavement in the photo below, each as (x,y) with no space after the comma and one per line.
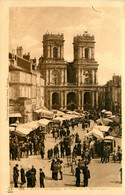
(102,174)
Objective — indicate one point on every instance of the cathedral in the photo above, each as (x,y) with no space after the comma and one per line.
(69,85)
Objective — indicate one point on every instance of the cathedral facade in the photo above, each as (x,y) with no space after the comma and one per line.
(69,85)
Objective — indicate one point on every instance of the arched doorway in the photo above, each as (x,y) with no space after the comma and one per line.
(71,101)
(87,100)
(55,101)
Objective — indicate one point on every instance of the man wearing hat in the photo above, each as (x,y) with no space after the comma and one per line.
(42,176)
(15,175)
(86,174)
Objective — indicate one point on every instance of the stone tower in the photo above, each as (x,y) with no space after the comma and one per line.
(86,68)
(54,68)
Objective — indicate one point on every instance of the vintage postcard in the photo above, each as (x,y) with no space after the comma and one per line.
(62,83)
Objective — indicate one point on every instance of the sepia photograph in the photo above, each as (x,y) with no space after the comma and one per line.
(65,97)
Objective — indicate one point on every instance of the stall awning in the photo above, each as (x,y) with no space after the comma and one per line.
(11,129)
(30,125)
(103,128)
(108,112)
(24,130)
(44,122)
(44,111)
(73,113)
(109,138)
(16,114)
(96,133)
(59,119)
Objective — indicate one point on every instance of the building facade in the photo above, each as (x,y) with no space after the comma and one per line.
(71,85)
(110,95)
(26,88)
(113,94)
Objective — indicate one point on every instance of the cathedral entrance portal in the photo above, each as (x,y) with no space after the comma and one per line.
(71,101)
(87,101)
(55,101)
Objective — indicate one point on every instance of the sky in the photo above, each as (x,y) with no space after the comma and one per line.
(27,25)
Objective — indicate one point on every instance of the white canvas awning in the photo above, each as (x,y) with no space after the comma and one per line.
(109,138)
(103,128)
(24,130)
(44,122)
(44,111)
(103,111)
(30,125)
(11,129)
(61,119)
(15,114)
(108,112)
(97,133)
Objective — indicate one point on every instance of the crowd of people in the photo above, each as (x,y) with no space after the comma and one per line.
(28,177)
(67,144)
(32,145)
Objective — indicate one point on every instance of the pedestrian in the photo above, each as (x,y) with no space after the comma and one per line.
(56,169)
(119,154)
(114,156)
(30,147)
(22,172)
(52,168)
(86,174)
(56,135)
(49,154)
(77,175)
(28,173)
(61,170)
(33,170)
(72,126)
(18,152)
(121,174)
(27,149)
(83,126)
(32,179)
(68,131)
(73,167)
(42,152)
(15,175)
(42,177)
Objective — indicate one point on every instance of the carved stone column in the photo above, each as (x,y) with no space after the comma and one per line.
(93,77)
(65,100)
(92,52)
(51,100)
(65,73)
(58,51)
(96,99)
(48,51)
(61,99)
(93,99)
(51,51)
(79,76)
(79,104)
(47,77)
(82,100)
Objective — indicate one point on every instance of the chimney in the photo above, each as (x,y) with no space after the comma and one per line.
(13,53)
(26,56)
(20,51)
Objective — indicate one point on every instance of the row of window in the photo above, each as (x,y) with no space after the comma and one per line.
(22,77)
(24,91)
